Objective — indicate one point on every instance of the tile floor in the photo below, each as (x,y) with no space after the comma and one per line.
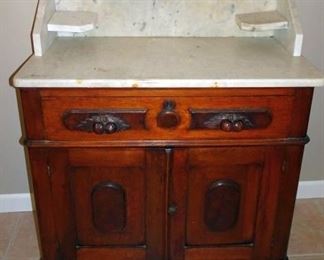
(18,239)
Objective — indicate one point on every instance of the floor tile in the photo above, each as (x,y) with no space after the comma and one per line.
(307,236)
(311,257)
(8,224)
(18,234)
(25,245)
(30,258)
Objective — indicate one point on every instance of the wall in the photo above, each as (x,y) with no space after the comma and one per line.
(16,18)
(312,17)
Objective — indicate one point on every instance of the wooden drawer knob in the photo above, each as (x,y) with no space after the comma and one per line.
(226,125)
(168,117)
(238,126)
(109,128)
(229,126)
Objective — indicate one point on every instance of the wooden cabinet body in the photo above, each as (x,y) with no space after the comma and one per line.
(165,174)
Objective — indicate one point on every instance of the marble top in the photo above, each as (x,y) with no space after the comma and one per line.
(167,62)
(171,18)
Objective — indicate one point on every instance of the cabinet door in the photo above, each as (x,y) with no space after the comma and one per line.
(107,202)
(223,188)
(224,197)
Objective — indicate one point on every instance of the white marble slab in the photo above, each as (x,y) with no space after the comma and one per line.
(42,38)
(67,21)
(167,62)
(291,39)
(262,21)
(183,18)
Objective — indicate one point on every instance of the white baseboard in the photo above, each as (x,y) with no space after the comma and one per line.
(310,189)
(22,201)
(15,202)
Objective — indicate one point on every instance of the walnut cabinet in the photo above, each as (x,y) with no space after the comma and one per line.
(165,174)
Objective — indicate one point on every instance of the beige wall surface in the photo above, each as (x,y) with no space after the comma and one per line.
(312,17)
(16,18)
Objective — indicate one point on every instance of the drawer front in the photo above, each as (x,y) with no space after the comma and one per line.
(166,118)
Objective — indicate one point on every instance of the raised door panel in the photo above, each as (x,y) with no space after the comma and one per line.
(108,201)
(109,205)
(223,189)
(108,192)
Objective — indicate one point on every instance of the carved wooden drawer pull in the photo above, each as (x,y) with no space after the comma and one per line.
(168,117)
(104,121)
(230,120)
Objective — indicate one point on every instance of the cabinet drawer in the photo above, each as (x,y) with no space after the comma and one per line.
(97,118)
(143,118)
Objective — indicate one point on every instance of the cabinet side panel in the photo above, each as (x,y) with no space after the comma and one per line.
(287,198)
(301,111)
(32,110)
(44,202)
(61,203)
(268,202)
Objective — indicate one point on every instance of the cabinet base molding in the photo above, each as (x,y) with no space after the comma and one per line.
(233,253)
(111,253)
(166,143)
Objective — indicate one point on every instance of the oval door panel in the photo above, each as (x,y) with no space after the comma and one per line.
(109,207)
(222,205)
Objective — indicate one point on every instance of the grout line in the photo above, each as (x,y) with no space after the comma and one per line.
(13,236)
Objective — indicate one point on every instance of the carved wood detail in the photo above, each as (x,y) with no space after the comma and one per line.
(109,207)
(222,203)
(104,121)
(230,120)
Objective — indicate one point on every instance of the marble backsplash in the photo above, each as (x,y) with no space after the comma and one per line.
(183,18)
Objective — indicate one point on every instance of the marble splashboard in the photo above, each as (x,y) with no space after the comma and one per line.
(184,18)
